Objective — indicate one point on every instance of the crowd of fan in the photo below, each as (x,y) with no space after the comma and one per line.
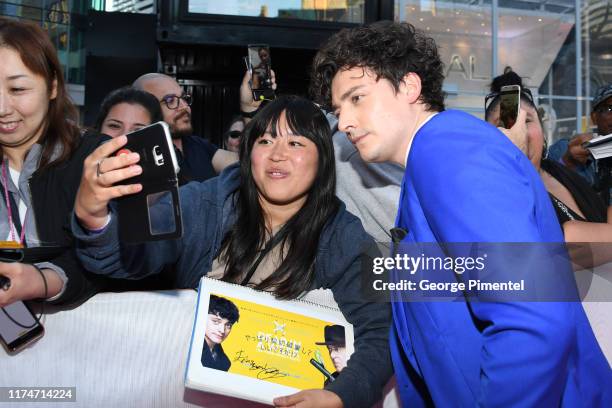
(284,203)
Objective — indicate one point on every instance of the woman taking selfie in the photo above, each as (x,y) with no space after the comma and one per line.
(42,158)
(584,218)
(272,222)
(581,212)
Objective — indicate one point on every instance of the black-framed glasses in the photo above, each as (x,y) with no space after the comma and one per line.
(174,101)
(525,93)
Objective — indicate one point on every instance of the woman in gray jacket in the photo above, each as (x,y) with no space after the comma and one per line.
(272,222)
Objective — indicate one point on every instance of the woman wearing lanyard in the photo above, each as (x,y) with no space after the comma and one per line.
(42,156)
(271,221)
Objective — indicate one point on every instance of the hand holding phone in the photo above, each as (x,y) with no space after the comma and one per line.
(247,103)
(19,327)
(139,170)
(101,171)
(510,105)
(260,67)
(154,212)
(518,133)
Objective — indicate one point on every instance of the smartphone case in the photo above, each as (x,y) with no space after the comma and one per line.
(261,91)
(155,212)
(10,253)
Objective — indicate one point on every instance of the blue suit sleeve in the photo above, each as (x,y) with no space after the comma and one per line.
(476,193)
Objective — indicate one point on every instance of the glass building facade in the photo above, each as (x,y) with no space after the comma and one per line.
(561,48)
(64,20)
(344,11)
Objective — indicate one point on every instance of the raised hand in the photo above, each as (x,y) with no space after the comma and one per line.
(101,171)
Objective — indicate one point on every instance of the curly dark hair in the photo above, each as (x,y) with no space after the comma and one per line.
(391,50)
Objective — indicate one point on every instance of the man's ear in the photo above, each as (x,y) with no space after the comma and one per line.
(411,87)
(53,93)
(594,117)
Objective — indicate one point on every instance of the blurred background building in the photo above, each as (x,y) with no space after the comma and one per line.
(132,6)
(560,47)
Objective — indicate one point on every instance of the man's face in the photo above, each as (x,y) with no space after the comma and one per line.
(217,329)
(338,356)
(178,119)
(602,117)
(376,119)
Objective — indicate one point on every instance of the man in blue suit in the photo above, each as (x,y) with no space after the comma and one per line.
(464,182)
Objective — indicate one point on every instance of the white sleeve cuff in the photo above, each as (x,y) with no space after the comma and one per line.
(60,272)
(101,229)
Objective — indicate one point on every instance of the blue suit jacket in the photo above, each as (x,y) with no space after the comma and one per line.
(466,182)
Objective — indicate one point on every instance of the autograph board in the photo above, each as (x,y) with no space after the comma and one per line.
(247,344)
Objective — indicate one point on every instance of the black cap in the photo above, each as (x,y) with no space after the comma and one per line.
(601,95)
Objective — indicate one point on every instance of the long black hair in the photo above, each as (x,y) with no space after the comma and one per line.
(132,96)
(242,245)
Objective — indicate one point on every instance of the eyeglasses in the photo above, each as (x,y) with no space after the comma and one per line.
(174,101)
(234,134)
(525,93)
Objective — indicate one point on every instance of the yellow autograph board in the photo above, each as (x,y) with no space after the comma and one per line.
(274,345)
(268,351)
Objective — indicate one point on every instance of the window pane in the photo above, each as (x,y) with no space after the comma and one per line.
(346,11)
(463,35)
(538,41)
(597,52)
(535,38)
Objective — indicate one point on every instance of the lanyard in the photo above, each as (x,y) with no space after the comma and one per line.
(278,237)
(11,206)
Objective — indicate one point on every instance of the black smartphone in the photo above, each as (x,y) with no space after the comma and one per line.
(19,327)
(154,213)
(260,66)
(510,104)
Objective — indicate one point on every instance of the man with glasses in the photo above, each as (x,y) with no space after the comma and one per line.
(602,110)
(571,154)
(198,158)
